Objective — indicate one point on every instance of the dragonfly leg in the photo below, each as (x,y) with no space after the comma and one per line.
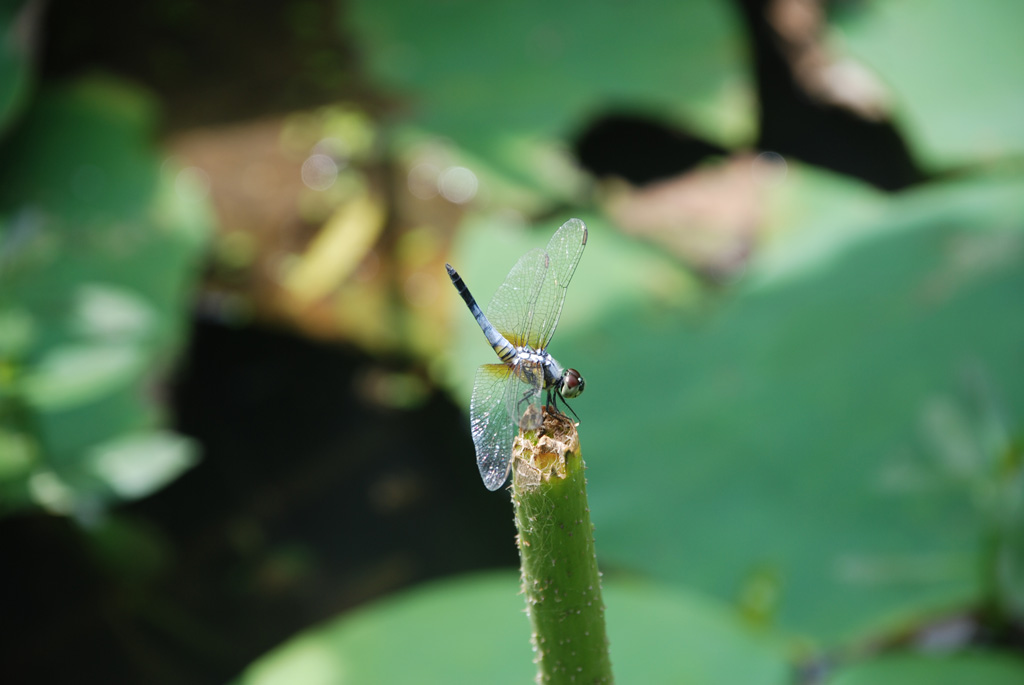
(524,398)
(530,418)
(554,404)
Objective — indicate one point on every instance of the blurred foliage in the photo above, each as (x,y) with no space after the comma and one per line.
(508,83)
(863,330)
(15,75)
(828,453)
(794,425)
(953,70)
(934,669)
(98,245)
(805,449)
(476,630)
(831,445)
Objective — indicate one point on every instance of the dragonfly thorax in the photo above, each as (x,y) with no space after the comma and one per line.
(527,356)
(568,382)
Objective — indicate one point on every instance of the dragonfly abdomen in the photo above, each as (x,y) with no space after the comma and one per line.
(502,347)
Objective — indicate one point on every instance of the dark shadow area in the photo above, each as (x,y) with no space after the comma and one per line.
(309,500)
(205,67)
(641,149)
(795,125)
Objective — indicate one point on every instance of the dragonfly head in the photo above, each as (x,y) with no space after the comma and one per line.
(571,385)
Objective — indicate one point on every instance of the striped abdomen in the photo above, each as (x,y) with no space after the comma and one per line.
(504,349)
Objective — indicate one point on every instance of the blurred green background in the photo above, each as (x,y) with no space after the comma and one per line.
(234,377)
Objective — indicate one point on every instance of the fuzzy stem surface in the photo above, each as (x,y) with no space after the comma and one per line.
(560,577)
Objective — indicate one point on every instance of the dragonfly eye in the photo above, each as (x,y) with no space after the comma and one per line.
(572,384)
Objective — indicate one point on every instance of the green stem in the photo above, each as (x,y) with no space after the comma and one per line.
(556,546)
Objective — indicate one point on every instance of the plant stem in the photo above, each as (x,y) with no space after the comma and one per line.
(556,546)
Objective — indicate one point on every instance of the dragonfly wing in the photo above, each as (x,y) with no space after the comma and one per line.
(492,428)
(564,251)
(511,310)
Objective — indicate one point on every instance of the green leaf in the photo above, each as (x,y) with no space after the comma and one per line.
(659,635)
(955,73)
(18,452)
(99,242)
(473,630)
(776,447)
(780,442)
(76,374)
(989,668)
(137,465)
(505,81)
(16,332)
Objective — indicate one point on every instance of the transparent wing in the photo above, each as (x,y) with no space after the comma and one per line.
(503,402)
(525,400)
(526,307)
(511,310)
(490,423)
(564,251)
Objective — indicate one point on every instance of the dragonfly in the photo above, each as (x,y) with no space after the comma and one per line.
(519,324)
